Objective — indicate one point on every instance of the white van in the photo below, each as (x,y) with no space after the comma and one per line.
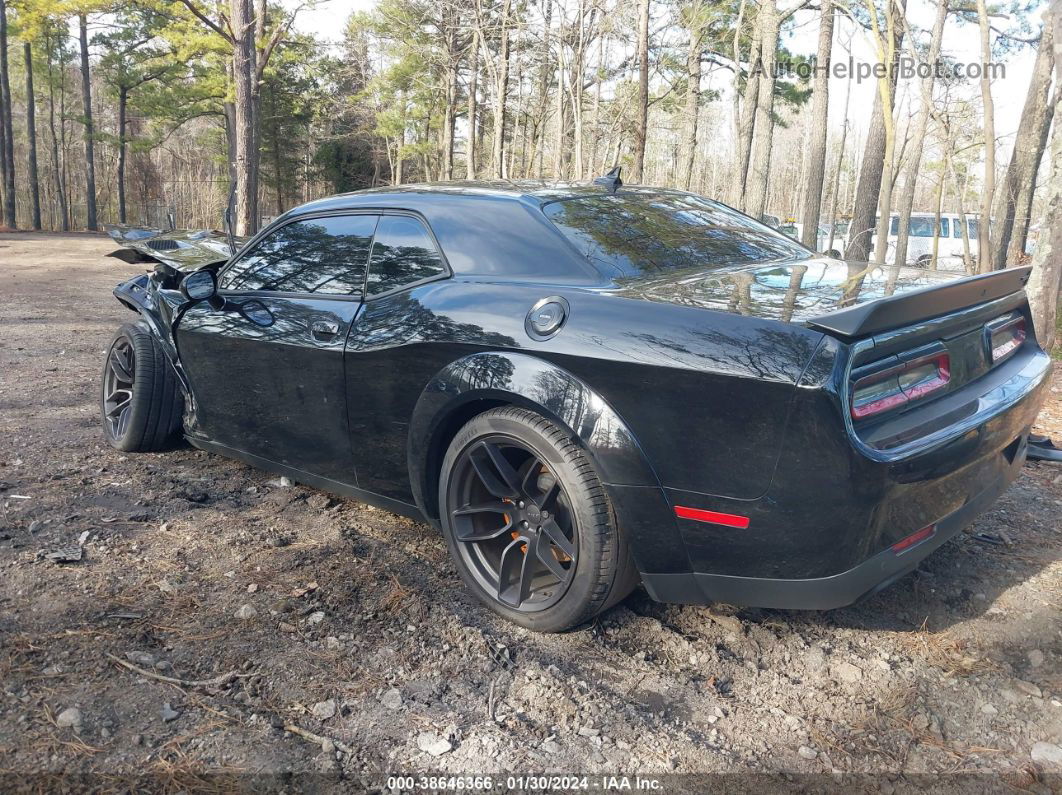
(920,240)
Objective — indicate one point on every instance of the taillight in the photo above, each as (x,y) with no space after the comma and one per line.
(898,385)
(1005,336)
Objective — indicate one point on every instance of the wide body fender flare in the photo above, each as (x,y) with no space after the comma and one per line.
(481,381)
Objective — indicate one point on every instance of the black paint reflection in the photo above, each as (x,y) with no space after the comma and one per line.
(322,255)
(787,291)
(402,253)
(397,346)
(274,390)
(646,234)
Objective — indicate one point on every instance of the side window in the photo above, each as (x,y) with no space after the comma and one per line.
(402,253)
(943,226)
(326,256)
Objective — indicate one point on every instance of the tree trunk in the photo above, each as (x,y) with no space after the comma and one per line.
(8,152)
(473,109)
(501,91)
(278,169)
(544,78)
(936,224)
(86,108)
(57,164)
(834,198)
(447,132)
(768,21)
(243,76)
(744,110)
(641,119)
(820,106)
(31,135)
(984,227)
(889,51)
(693,98)
(450,100)
(960,189)
(561,152)
(918,136)
(1013,203)
(868,188)
(123,103)
(1043,287)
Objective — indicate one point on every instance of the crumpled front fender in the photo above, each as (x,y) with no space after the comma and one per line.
(157,314)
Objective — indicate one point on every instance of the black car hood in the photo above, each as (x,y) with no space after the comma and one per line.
(788,291)
(183,250)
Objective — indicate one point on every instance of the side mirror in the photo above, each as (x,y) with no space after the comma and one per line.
(199,285)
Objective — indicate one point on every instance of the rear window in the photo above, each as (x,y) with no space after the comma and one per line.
(641,233)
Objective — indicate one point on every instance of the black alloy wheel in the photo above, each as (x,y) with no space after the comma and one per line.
(118,377)
(140,401)
(513,522)
(529,524)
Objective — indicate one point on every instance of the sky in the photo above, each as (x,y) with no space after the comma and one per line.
(326,20)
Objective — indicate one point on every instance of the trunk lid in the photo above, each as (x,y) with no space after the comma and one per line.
(845,299)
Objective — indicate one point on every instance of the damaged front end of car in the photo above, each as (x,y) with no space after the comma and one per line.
(182,250)
(156,296)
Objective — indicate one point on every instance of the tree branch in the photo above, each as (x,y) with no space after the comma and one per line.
(267,51)
(207,20)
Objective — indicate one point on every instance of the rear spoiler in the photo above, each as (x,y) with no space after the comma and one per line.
(907,309)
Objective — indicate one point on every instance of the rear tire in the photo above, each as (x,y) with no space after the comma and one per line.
(140,400)
(529,524)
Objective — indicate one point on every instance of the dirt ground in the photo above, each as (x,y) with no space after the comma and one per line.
(323,641)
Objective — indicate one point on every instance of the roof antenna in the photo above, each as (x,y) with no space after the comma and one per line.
(611,179)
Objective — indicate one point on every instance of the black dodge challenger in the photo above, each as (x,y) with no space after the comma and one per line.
(587,386)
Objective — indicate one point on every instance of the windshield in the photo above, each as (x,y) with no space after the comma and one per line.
(640,233)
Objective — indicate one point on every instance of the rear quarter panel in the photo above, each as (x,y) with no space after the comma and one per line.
(706,394)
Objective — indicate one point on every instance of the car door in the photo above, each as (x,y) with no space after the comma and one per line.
(392,350)
(267,369)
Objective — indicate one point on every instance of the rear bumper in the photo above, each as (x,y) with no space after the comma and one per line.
(839,590)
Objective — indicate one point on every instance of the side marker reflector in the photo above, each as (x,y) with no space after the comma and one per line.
(712,517)
(914,538)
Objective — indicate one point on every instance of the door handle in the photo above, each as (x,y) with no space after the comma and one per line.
(324,329)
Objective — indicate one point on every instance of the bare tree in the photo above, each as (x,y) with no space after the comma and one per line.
(31,138)
(90,133)
(7,144)
(768,22)
(816,156)
(918,134)
(888,43)
(473,107)
(742,112)
(1013,203)
(694,23)
(872,168)
(1043,287)
(984,228)
(501,92)
(641,118)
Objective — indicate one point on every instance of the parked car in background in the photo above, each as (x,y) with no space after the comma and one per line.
(950,246)
(823,244)
(587,386)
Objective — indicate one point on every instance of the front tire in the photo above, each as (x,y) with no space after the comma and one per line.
(140,400)
(529,524)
